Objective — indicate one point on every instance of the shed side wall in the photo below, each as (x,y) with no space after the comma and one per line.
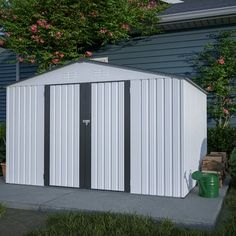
(25,135)
(194,133)
(155,137)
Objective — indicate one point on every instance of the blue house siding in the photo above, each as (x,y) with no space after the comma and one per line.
(172,52)
(27,71)
(8,75)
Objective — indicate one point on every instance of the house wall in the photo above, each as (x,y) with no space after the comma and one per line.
(172,52)
(10,72)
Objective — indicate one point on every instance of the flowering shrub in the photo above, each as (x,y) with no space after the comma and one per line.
(217,71)
(50,32)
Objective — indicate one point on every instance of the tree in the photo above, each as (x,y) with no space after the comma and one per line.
(217,73)
(50,32)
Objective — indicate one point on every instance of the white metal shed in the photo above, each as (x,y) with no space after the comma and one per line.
(100,126)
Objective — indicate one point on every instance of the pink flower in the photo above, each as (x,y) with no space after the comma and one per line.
(221,61)
(209,88)
(103,31)
(20,59)
(58,35)
(110,34)
(41,41)
(2,42)
(48,26)
(34,28)
(55,61)
(8,34)
(226,111)
(125,27)
(61,55)
(151,4)
(94,14)
(88,53)
(32,60)
(42,23)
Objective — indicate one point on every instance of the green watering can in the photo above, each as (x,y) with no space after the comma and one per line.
(208,184)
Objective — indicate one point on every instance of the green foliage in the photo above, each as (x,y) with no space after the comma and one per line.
(217,71)
(221,139)
(50,32)
(232,163)
(2,210)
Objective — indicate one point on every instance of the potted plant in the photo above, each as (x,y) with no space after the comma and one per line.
(3,165)
(3,148)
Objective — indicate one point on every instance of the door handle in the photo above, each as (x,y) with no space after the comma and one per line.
(86,122)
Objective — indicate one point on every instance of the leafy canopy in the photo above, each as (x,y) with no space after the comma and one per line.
(50,32)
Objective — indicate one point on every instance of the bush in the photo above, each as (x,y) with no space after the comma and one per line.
(221,139)
(232,163)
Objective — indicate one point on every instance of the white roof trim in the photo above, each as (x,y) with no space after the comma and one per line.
(198,14)
(172,1)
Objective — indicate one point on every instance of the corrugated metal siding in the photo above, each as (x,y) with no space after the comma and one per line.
(155,142)
(25,135)
(107,151)
(64,135)
(194,136)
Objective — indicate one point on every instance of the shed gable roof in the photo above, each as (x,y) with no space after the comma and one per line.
(93,71)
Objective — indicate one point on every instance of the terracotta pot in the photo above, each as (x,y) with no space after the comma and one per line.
(4,169)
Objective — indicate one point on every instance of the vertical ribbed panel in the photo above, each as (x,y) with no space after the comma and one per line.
(155,137)
(107,149)
(64,135)
(25,135)
(194,126)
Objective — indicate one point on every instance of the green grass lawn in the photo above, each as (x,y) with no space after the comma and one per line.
(100,224)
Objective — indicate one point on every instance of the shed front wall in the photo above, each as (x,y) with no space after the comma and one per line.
(155,137)
(25,135)
(64,135)
(107,141)
(168,138)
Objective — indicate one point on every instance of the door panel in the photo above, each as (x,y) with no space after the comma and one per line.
(64,135)
(107,130)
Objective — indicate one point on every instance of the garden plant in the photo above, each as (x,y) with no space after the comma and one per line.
(216,67)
